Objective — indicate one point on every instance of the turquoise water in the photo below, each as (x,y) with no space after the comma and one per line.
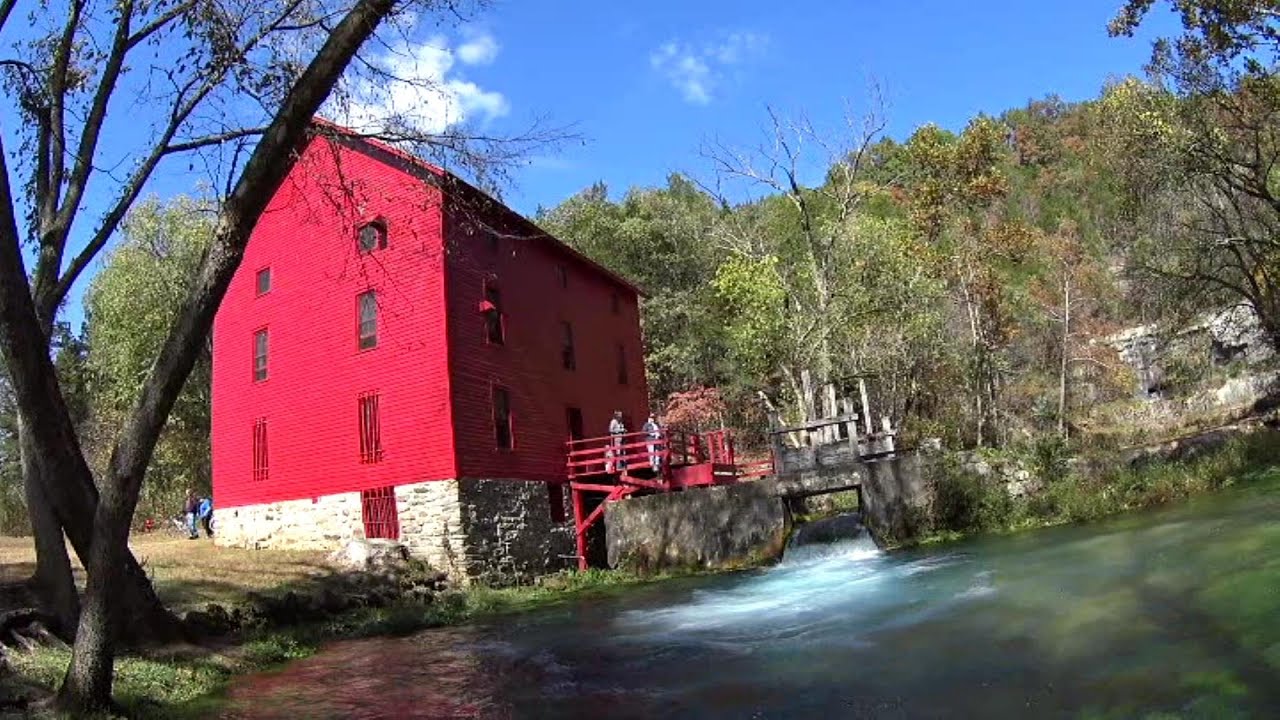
(1173,613)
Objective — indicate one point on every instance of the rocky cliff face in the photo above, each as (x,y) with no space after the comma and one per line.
(1231,336)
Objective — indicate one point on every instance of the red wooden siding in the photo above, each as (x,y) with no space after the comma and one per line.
(542,286)
(397,388)
(316,371)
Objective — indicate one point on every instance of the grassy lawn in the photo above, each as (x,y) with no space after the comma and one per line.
(190,573)
(187,681)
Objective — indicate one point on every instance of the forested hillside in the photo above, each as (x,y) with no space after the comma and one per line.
(967,273)
(974,276)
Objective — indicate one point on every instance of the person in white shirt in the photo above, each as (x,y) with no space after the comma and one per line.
(617,429)
(654,433)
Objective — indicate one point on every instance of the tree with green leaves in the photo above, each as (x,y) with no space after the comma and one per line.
(1197,149)
(237,83)
(954,185)
(128,305)
(659,238)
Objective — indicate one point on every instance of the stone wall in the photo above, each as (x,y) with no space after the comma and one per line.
(322,523)
(494,531)
(895,496)
(714,528)
(509,533)
(431,525)
(734,525)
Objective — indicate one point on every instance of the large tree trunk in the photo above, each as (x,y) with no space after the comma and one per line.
(87,685)
(52,582)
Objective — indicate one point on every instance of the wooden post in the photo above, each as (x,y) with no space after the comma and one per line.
(851,427)
(579,517)
(866,406)
(830,433)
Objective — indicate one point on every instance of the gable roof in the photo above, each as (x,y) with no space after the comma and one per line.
(392,155)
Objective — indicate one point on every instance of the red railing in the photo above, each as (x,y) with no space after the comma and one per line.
(615,453)
(639,451)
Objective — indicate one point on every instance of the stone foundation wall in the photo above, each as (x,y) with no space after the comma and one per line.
(494,531)
(704,528)
(324,523)
(431,524)
(510,535)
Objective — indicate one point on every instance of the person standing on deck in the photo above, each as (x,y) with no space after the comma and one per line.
(617,429)
(653,432)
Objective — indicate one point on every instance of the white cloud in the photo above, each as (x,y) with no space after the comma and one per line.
(697,69)
(480,49)
(421,88)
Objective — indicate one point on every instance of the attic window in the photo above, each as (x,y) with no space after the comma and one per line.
(372,236)
(615,304)
(563,276)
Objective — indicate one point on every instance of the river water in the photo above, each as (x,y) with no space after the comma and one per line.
(1172,613)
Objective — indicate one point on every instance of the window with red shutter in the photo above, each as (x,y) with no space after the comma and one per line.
(260,462)
(378,510)
(370,430)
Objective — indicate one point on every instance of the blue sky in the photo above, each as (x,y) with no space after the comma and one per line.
(647,89)
(647,85)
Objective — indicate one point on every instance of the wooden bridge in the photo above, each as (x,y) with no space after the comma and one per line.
(602,470)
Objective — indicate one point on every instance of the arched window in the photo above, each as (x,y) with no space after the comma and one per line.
(372,236)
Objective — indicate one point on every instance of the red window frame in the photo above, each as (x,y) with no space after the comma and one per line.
(573,422)
(495,321)
(260,359)
(623,376)
(258,277)
(380,239)
(367,338)
(555,502)
(260,453)
(504,430)
(370,427)
(568,355)
(378,513)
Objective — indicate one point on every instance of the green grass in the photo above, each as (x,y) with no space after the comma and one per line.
(967,504)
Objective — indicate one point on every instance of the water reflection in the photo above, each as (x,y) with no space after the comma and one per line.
(1173,612)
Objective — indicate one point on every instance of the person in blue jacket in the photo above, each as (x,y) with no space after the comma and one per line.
(198,511)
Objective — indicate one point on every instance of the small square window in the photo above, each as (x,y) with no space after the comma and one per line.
(368,311)
(260,355)
(372,236)
(263,281)
(503,434)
